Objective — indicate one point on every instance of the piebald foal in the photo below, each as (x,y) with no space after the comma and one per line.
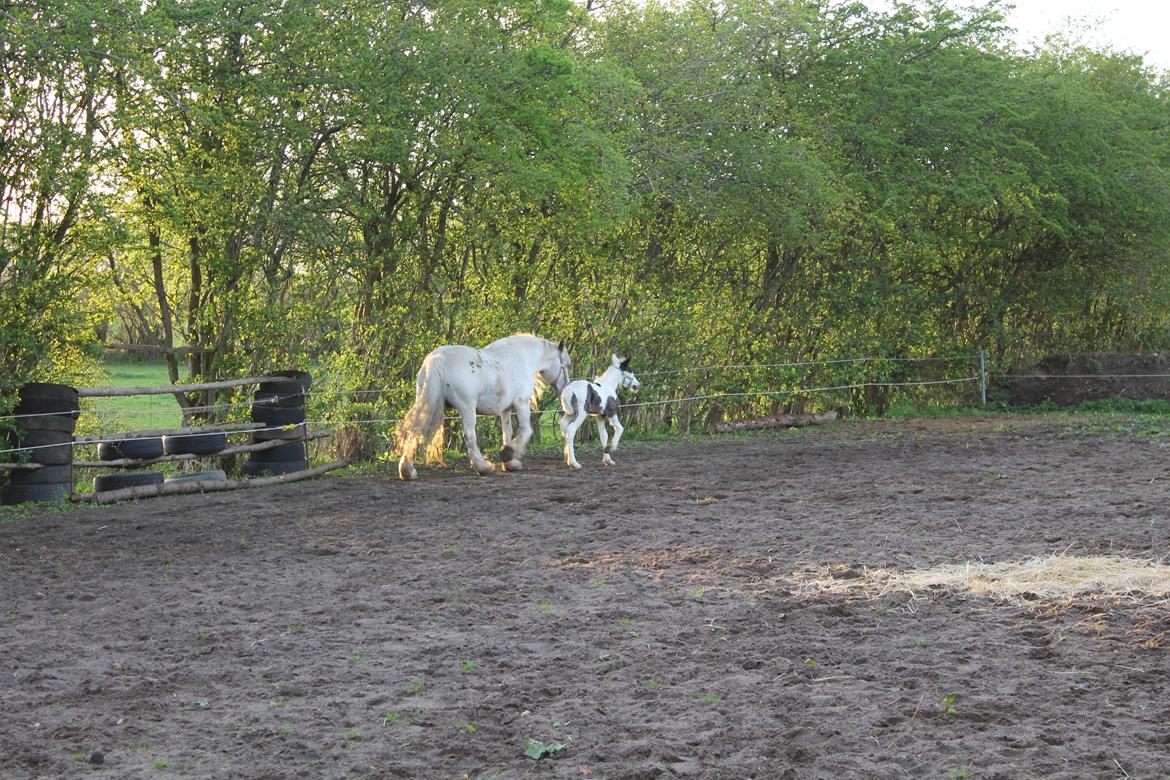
(581,399)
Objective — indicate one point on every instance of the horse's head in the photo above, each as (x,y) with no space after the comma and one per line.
(558,368)
(628,378)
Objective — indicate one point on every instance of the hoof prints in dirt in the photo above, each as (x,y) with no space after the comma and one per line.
(654,620)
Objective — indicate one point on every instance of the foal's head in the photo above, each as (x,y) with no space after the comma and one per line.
(628,378)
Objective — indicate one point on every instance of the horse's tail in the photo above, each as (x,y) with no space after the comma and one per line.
(421,425)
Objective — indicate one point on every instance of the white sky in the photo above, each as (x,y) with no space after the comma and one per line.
(1137,26)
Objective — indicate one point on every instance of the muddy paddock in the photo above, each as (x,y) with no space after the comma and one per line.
(667,617)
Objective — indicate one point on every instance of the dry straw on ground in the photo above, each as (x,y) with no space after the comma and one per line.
(1053,577)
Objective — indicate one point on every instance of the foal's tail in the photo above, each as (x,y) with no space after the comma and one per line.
(570,406)
(421,425)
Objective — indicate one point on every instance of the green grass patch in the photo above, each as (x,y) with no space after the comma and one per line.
(134,412)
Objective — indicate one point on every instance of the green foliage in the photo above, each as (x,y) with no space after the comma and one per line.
(758,182)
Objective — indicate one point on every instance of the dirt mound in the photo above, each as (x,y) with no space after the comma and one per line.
(1068,380)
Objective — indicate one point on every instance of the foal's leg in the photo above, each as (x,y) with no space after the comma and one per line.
(569,429)
(618,430)
(515,448)
(478,462)
(604,437)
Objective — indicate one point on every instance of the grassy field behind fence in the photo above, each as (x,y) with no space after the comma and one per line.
(135,412)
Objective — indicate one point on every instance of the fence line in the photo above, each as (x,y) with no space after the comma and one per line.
(334,423)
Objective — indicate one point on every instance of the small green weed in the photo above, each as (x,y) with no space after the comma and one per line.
(416,687)
(948,702)
(468,666)
(537,750)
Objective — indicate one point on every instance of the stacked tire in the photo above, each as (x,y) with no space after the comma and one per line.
(280,406)
(135,448)
(44,420)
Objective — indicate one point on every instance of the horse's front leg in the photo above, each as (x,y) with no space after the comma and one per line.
(617,437)
(478,462)
(603,435)
(514,448)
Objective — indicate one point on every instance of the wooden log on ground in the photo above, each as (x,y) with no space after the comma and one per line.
(201,486)
(236,450)
(776,421)
(111,392)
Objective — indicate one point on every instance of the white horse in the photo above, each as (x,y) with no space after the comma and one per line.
(504,377)
(581,399)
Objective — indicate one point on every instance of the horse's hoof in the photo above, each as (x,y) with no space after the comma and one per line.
(607,461)
(484,471)
(513,465)
(507,454)
(574,466)
(406,472)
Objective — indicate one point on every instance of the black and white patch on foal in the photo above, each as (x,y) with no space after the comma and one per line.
(599,399)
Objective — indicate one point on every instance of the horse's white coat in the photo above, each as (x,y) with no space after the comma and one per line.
(575,403)
(503,378)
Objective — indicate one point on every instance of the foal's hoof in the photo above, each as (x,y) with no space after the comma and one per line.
(513,465)
(484,471)
(507,453)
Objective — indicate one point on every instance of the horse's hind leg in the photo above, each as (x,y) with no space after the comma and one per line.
(507,451)
(603,435)
(478,462)
(406,469)
(514,448)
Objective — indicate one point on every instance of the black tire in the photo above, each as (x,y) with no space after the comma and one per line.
(41,449)
(273,416)
(195,443)
(127,479)
(134,449)
(254,469)
(281,454)
(211,475)
(49,422)
(296,382)
(48,398)
(19,494)
(294,433)
(268,399)
(45,475)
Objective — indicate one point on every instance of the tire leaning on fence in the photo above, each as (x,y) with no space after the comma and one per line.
(126,479)
(138,448)
(43,422)
(195,443)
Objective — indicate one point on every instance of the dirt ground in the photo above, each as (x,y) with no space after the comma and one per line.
(655,619)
